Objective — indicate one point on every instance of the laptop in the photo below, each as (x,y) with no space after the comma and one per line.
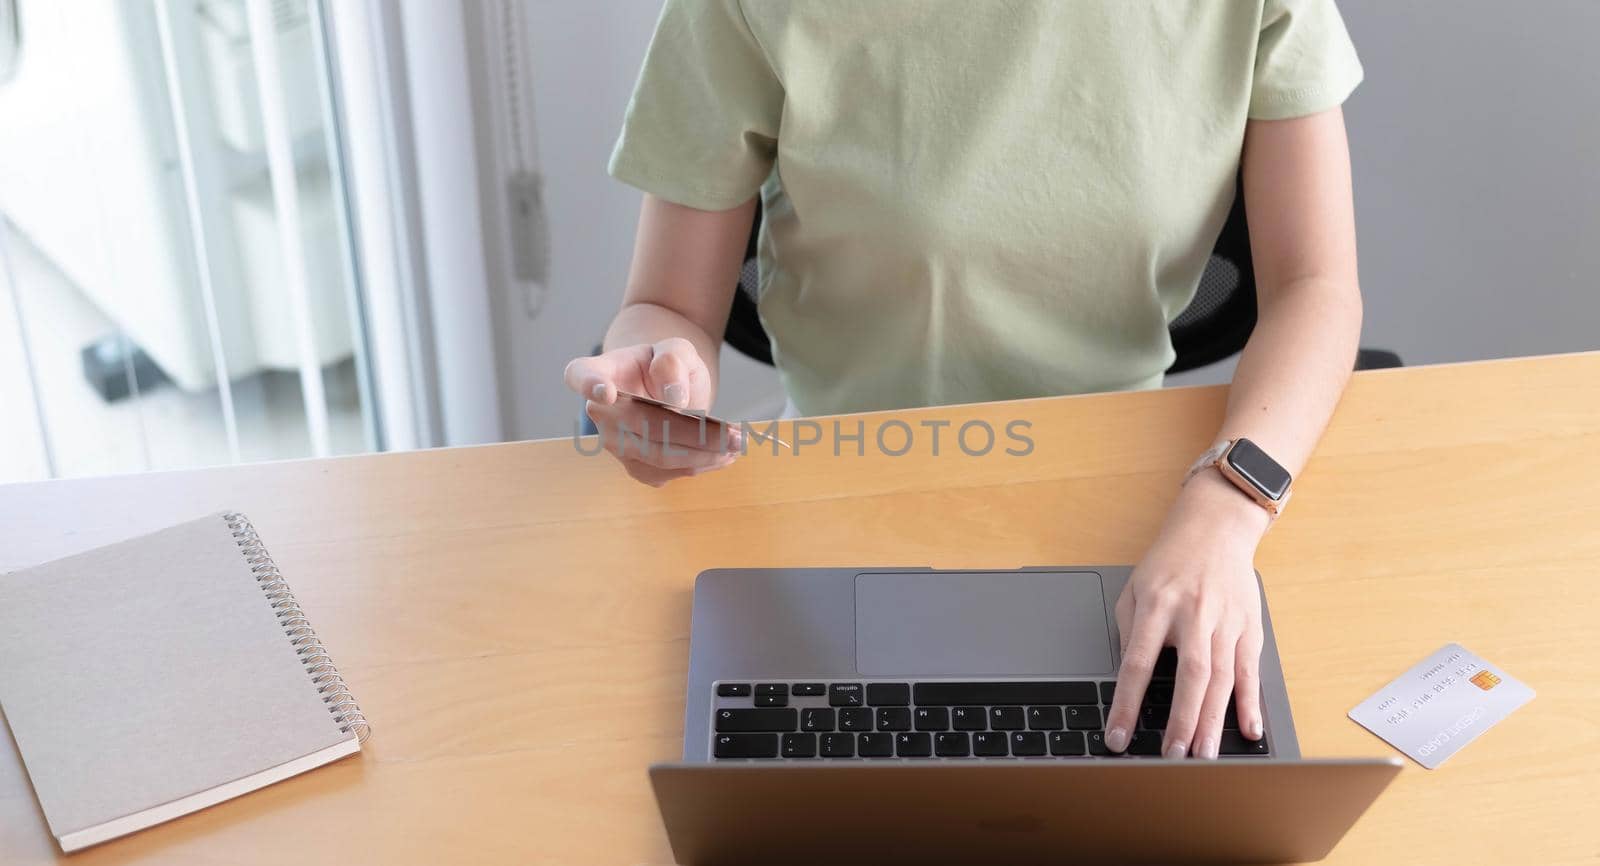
(918,715)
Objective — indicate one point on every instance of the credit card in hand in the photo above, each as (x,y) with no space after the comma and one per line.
(700,416)
(1444,702)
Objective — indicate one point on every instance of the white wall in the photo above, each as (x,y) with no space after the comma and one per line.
(439,78)
(1474,141)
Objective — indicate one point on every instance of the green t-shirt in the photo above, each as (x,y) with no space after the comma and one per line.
(972,199)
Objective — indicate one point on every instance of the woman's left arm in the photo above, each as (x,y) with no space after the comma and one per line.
(1195,588)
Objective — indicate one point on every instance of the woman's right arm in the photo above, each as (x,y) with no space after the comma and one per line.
(665,340)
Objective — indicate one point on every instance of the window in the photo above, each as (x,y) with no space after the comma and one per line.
(177,280)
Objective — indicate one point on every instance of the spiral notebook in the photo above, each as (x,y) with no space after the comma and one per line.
(158,676)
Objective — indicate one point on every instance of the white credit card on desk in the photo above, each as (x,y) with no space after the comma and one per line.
(1443,703)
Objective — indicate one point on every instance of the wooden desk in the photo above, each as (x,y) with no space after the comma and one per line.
(515,618)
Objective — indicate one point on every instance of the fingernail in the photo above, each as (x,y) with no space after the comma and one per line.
(735,440)
(1177,750)
(1208,748)
(1117,739)
(675,394)
(599,392)
(1255,730)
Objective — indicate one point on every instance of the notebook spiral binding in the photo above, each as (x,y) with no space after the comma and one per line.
(312,653)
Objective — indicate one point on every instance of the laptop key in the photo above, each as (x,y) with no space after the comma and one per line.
(743,721)
(954,694)
(1233,743)
(772,700)
(1145,743)
(746,746)
(913,745)
(816,719)
(875,745)
(1083,718)
(1153,717)
(989,744)
(855,719)
(838,745)
(1066,743)
(931,718)
(771,689)
(894,719)
(845,695)
(1107,692)
(951,744)
(1158,692)
(808,690)
(1044,719)
(889,694)
(1005,718)
(1096,741)
(799,745)
(733,690)
(1027,744)
(969,719)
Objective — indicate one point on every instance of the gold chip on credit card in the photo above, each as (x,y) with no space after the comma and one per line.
(1485,680)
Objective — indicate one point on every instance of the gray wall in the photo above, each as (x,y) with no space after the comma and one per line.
(1476,146)
(1474,139)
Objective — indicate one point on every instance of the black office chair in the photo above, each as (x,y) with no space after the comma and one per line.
(744,331)
(1214,326)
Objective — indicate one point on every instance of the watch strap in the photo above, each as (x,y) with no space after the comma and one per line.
(1207,460)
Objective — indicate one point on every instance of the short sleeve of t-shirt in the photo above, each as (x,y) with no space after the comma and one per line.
(1305,62)
(702,127)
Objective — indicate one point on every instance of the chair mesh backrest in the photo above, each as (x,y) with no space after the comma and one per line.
(1219,320)
(1217,284)
(749,279)
(745,331)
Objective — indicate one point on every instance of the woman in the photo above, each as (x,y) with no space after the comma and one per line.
(981,201)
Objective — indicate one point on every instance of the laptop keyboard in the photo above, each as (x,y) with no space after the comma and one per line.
(942,719)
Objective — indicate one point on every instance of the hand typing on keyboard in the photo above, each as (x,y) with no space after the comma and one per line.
(1195,589)
(940,720)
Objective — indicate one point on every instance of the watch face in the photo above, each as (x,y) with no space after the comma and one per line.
(1260,470)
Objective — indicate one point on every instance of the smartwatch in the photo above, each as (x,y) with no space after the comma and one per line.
(1251,470)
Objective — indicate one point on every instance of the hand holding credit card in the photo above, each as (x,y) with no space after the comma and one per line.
(699,416)
(1442,703)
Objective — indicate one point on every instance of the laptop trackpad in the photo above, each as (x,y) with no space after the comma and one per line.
(1025,623)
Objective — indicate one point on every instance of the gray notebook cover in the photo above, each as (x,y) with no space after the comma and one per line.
(150,671)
